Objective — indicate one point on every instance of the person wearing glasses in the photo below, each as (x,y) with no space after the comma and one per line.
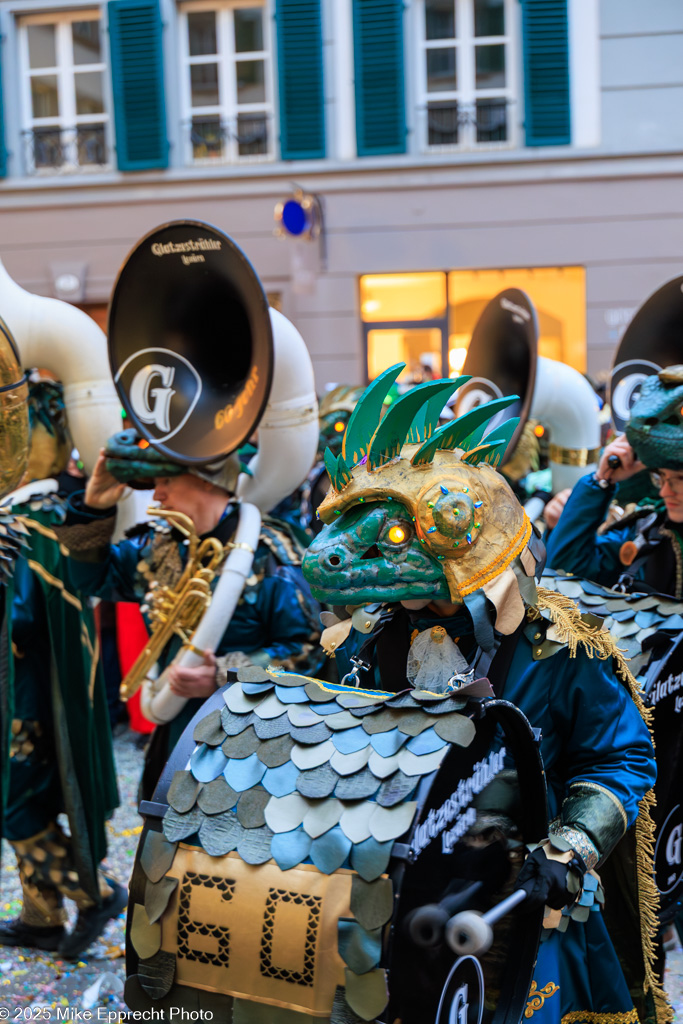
(644,551)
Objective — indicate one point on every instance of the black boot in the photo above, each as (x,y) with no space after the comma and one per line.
(18,933)
(91,923)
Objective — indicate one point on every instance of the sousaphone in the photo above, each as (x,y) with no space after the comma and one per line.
(199,361)
(653,340)
(503,360)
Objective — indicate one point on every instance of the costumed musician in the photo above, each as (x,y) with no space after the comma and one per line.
(60,754)
(430,530)
(642,551)
(204,535)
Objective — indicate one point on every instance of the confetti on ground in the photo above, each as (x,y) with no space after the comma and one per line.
(35,978)
(29,978)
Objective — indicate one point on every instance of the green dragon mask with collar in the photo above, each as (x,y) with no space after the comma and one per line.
(418,511)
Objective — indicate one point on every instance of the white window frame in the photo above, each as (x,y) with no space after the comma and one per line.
(228,109)
(67,120)
(467,94)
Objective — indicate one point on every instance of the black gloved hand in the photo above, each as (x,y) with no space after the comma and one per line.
(545,882)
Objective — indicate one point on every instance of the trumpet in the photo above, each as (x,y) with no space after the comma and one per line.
(177,610)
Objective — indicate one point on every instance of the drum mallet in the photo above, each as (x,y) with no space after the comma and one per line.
(470,932)
(425,925)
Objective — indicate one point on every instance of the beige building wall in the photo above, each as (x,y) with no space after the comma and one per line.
(621,219)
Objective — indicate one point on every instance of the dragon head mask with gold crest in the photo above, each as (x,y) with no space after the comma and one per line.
(419,512)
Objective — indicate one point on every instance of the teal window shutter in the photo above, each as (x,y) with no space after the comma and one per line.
(3,151)
(546,72)
(378,59)
(300,75)
(137,70)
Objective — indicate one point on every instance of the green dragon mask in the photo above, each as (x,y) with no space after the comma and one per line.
(655,429)
(333,412)
(136,463)
(418,511)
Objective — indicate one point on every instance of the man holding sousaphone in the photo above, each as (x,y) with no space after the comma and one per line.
(643,550)
(275,622)
(199,361)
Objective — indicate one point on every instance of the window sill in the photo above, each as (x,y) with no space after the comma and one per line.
(455,169)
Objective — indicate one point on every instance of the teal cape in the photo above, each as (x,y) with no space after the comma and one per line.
(68,679)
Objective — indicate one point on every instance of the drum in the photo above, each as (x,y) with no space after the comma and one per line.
(308,842)
(649,631)
(664,693)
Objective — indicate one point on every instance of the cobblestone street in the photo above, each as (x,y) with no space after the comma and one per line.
(41,980)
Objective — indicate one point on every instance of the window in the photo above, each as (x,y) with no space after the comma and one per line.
(466,73)
(227,86)
(64,92)
(426,320)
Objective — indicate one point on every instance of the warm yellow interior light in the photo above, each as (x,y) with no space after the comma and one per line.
(456,359)
(558,293)
(340,427)
(402,297)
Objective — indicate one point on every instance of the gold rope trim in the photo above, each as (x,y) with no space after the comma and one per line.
(31,524)
(537,997)
(627,1017)
(54,582)
(573,631)
(485,575)
(93,669)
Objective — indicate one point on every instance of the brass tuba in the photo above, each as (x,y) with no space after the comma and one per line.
(199,361)
(176,610)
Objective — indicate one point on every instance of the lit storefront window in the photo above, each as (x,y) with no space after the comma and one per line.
(407,318)
(420,350)
(402,297)
(558,293)
(426,320)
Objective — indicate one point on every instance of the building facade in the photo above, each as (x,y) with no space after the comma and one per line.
(449,147)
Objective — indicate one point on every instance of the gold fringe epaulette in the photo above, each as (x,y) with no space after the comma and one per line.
(570,628)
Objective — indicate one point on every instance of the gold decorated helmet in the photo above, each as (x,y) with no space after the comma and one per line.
(50,445)
(13,414)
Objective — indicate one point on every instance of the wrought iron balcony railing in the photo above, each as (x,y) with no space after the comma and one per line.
(446,120)
(247,135)
(66,150)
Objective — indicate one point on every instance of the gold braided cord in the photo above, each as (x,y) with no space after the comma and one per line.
(593,1017)
(495,568)
(54,582)
(31,524)
(573,631)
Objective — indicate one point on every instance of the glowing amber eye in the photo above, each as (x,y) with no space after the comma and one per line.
(142,443)
(539,430)
(396,534)
(339,427)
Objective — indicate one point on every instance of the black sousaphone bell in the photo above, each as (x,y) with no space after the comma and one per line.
(501,359)
(190,342)
(653,340)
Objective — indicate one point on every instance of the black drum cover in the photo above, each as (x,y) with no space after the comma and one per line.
(479,863)
(653,340)
(664,688)
(190,342)
(501,359)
